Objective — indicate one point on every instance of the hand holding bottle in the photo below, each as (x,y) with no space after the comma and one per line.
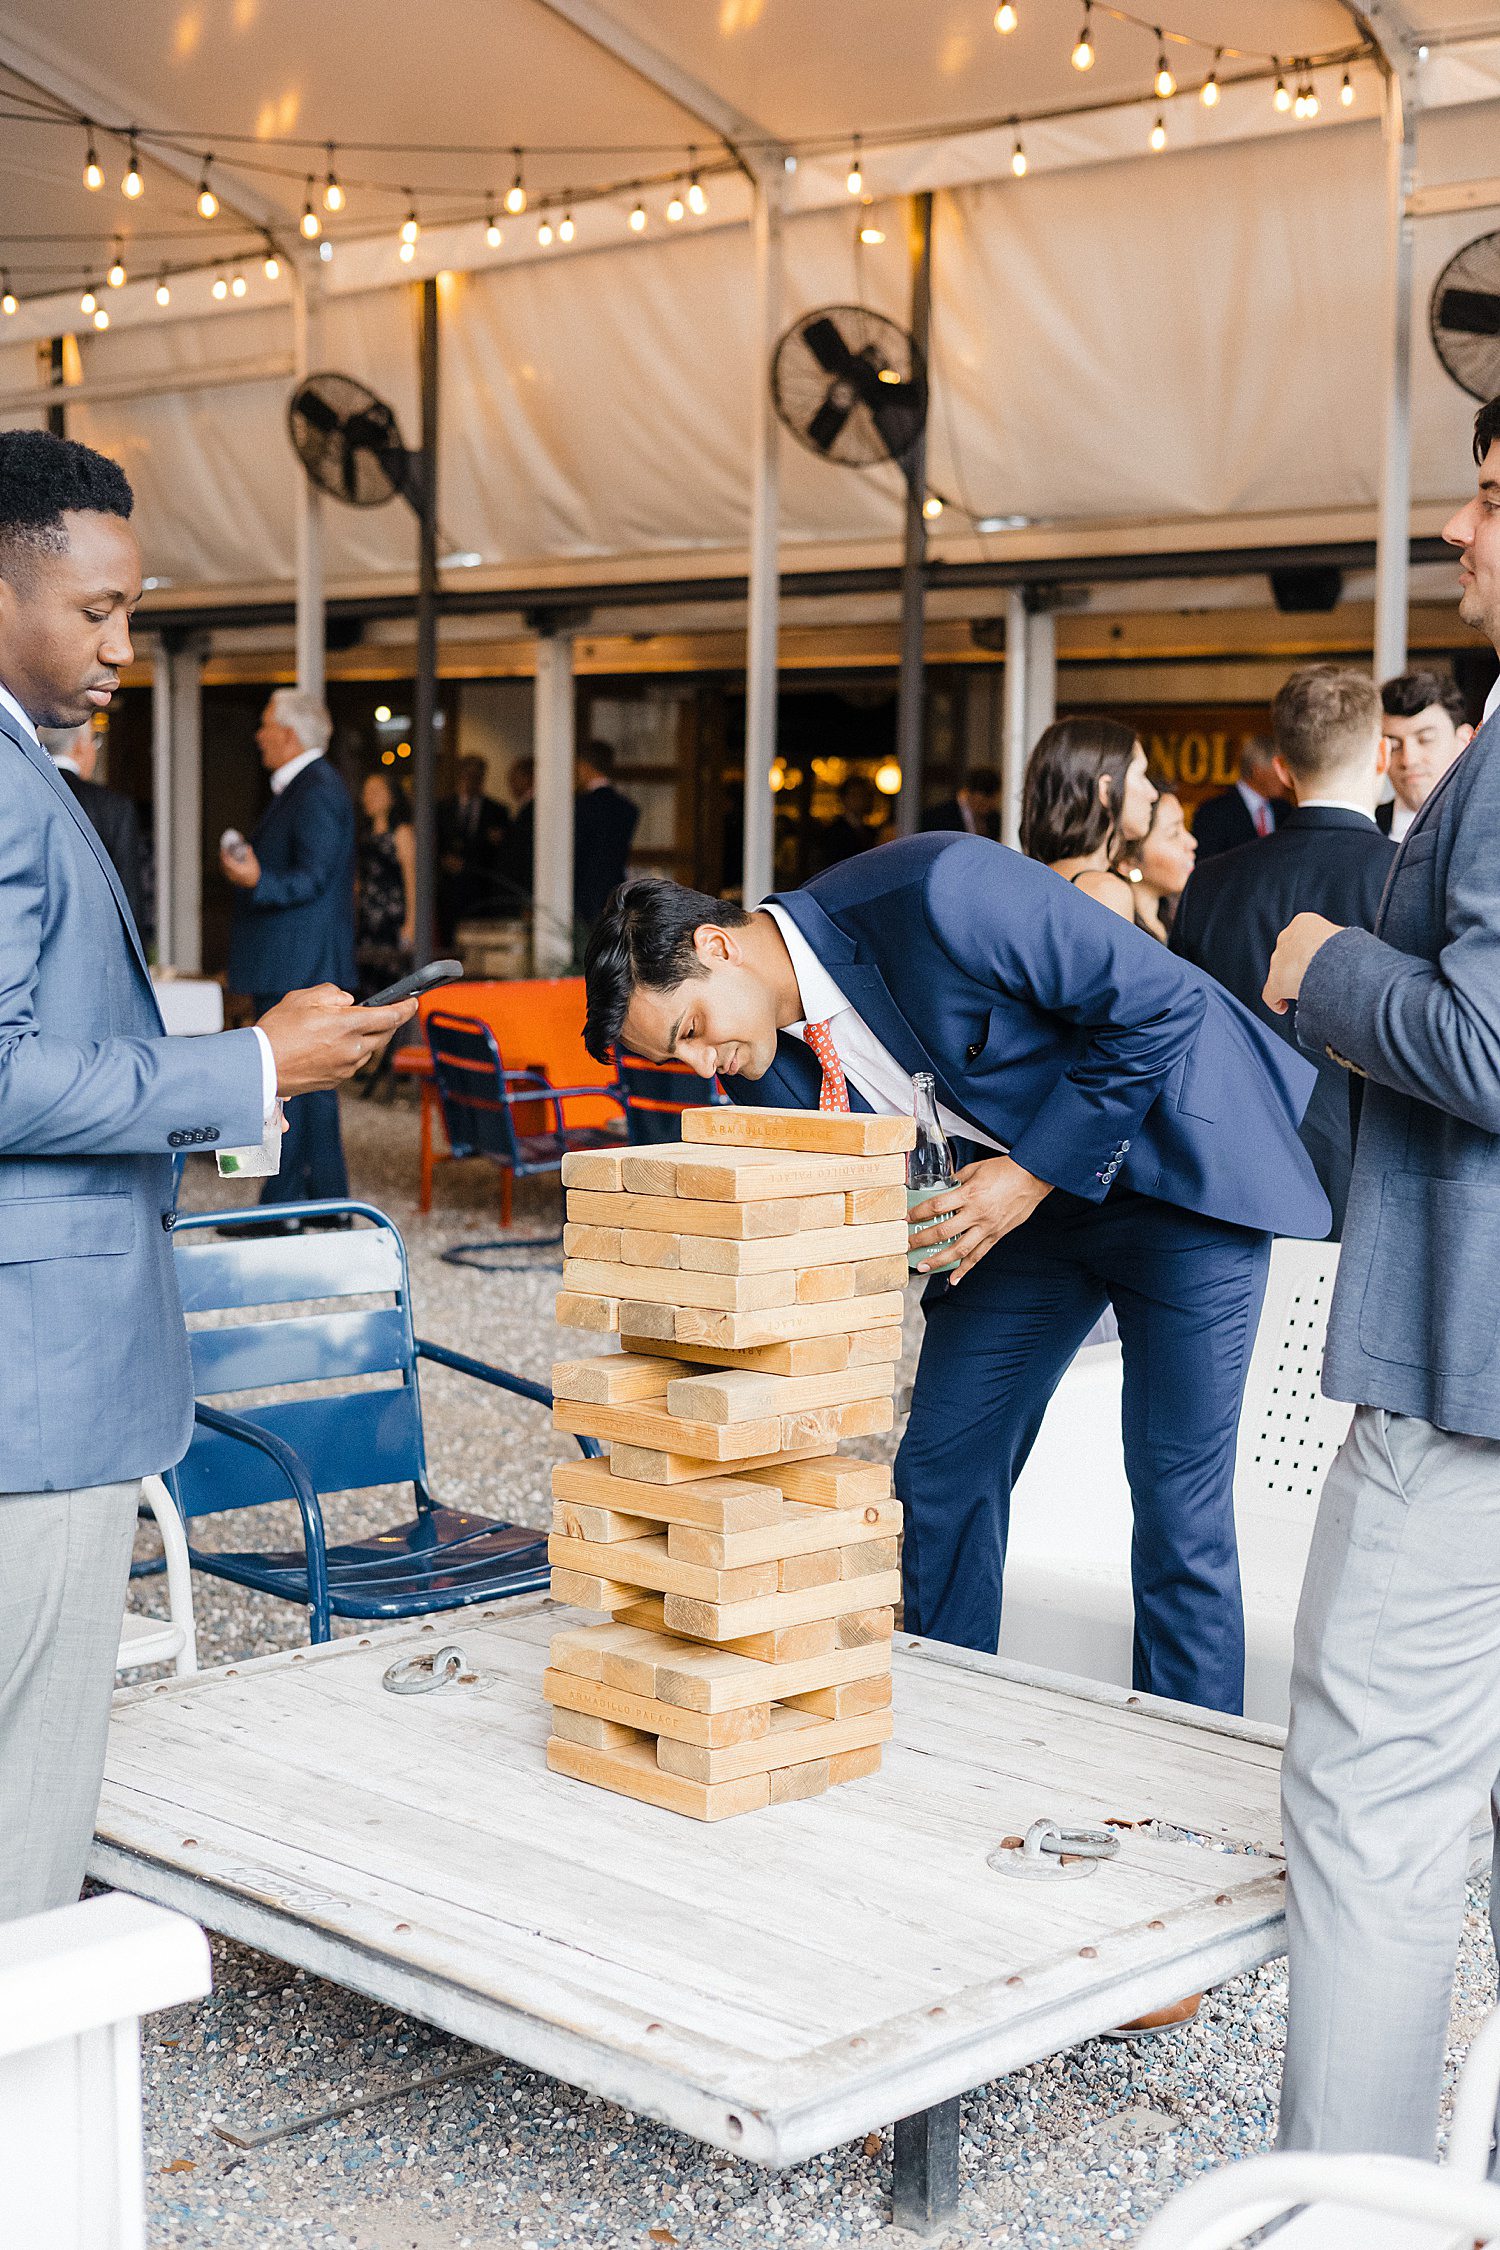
(988,1199)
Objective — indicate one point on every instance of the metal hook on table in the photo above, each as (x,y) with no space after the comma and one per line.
(419,1675)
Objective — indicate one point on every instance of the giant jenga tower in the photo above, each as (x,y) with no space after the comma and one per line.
(754,1274)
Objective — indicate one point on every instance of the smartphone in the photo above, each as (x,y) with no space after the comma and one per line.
(233,844)
(420,980)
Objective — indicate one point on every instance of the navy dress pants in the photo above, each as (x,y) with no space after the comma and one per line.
(1187,1294)
(312,1147)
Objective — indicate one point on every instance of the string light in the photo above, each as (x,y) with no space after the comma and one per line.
(325,251)
(697,198)
(1209,93)
(208,202)
(1006,18)
(544,234)
(133,185)
(855,181)
(406,251)
(1346,92)
(88,302)
(1311,103)
(637,219)
(515,194)
(1280,98)
(676,209)
(333,194)
(492,234)
(220,288)
(163,293)
(1018,159)
(9,301)
(116,274)
(272,267)
(310,223)
(237,286)
(1164,82)
(93,175)
(1158,139)
(870,232)
(410,228)
(932,507)
(567,230)
(1082,57)
(101,317)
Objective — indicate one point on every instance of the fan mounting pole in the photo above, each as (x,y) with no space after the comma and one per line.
(424,729)
(910,694)
(761,648)
(310,629)
(1393,538)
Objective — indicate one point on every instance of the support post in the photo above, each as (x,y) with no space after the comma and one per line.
(761,646)
(1393,538)
(1014,739)
(307,501)
(552,847)
(910,695)
(424,717)
(177,801)
(924,2177)
(1041,672)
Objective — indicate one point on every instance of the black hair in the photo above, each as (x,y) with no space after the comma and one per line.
(599,755)
(1486,429)
(1411,692)
(1062,813)
(42,479)
(644,940)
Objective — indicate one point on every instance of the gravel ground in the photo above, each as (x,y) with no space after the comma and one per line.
(1074,2152)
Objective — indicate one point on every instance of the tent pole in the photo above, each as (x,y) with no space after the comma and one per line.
(307,504)
(910,694)
(424,726)
(162,801)
(1014,741)
(760,653)
(1393,538)
(552,834)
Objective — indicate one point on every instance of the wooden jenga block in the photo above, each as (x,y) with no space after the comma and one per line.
(800,1530)
(791,1784)
(736,1396)
(637,1563)
(729,1621)
(660,1668)
(735,1222)
(854,1765)
(604,1526)
(721,1292)
(794,1572)
(831,1482)
(599,1734)
(717,1504)
(864,1628)
(579,1591)
(580,1650)
(874,1276)
(789,1644)
(875,1346)
(592,1168)
(802,1355)
(874,1206)
(818,1246)
(643,1464)
(831,1134)
(824,1285)
(591,1242)
(703,1325)
(846,1701)
(713,1730)
(646,1425)
(794,1736)
(633,1772)
(880,1554)
(640,1323)
(613,1379)
(638,1247)
(599,1314)
(739,1175)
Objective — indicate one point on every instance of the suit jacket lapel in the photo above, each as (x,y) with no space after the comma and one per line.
(37,757)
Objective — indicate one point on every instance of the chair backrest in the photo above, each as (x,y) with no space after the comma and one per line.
(655,1095)
(470,1080)
(538,1025)
(1289,1432)
(310,1337)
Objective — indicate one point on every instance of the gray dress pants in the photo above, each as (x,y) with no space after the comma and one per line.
(64,1567)
(1394,1747)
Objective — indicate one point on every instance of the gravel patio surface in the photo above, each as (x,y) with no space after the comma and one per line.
(1074,2152)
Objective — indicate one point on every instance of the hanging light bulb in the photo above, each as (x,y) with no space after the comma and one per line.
(93,174)
(1018,159)
(697,199)
(272,267)
(1311,103)
(163,293)
(1346,92)
(9,301)
(333,194)
(1158,139)
(637,219)
(1281,99)
(310,223)
(88,302)
(1164,82)
(1006,18)
(675,209)
(492,234)
(410,229)
(325,251)
(406,251)
(116,274)
(1082,57)
(208,202)
(515,194)
(220,289)
(566,229)
(544,234)
(932,507)
(855,180)
(1209,92)
(101,317)
(238,286)
(870,233)
(1299,106)
(133,185)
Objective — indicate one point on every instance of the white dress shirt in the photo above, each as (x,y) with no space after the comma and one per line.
(1402,816)
(1258,807)
(1335,804)
(285,775)
(1491,703)
(9,703)
(871,1067)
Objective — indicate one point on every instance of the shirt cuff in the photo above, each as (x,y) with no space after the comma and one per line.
(267,1075)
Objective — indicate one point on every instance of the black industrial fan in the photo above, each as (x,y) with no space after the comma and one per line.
(1464,317)
(350,442)
(851,386)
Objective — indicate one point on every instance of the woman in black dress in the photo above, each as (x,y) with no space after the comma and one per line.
(386,886)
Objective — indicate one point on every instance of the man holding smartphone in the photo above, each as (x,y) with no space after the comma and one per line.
(95,1102)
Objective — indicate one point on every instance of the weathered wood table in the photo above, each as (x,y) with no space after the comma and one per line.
(774,1985)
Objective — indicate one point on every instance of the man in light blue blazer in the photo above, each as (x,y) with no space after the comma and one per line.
(1395,1733)
(95,1102)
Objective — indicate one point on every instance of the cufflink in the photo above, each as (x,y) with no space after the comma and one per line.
(976,1049)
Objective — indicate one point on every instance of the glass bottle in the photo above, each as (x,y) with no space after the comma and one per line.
(929,1167)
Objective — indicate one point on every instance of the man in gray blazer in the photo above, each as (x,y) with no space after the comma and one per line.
(1395,1733)
(95,1102)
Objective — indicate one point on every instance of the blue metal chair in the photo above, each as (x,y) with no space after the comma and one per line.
(655,1094)
(301,1446)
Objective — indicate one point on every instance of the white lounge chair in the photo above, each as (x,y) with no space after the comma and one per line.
(173,1639)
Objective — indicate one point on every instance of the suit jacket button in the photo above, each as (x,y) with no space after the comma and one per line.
(168,1221)
(971,1052)
(174,1140)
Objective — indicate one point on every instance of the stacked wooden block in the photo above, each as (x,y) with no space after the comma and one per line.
(753,1274)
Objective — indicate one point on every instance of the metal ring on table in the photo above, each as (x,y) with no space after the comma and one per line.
(1048,1850)
(419,1675)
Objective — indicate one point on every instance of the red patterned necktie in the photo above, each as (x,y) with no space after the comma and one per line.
(834,1094)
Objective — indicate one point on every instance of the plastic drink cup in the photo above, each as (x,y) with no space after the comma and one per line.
(261,1163)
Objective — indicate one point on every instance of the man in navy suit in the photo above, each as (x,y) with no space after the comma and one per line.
(1251,808)
(1129,1136)
(604,826)
(294,917)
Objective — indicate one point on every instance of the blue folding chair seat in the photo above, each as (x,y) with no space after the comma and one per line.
(302,1445)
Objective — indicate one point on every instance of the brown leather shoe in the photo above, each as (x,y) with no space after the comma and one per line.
(1170,2018)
